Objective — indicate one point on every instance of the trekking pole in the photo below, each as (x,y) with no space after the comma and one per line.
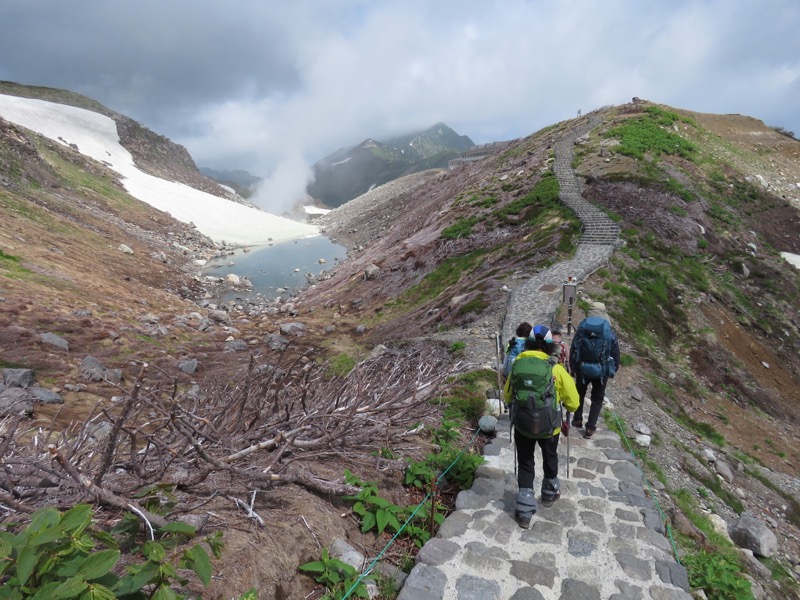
(498,347)
(568,454)
(568,418)
(511,434)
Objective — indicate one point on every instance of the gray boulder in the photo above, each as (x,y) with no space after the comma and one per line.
(724,470)
(748,532)
(236,346)
(18,377)
(276,342)
(295,329)
(15,401)
(220,316)
(188,366)
(487,424)
(92,369)
(53,340)
(45,396)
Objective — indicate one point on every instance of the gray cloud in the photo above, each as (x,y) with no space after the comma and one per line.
(271,86)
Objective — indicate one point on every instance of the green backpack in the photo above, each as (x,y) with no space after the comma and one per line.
(535,411)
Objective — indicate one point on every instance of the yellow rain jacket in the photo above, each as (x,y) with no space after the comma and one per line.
(566,392)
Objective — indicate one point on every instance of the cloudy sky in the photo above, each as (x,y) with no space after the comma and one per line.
(272,87)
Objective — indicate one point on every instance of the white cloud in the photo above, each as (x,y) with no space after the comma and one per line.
(249,87)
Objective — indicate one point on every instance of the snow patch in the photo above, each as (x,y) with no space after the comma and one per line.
(95,135)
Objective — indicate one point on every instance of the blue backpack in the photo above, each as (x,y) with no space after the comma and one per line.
(515,346)
(591,349)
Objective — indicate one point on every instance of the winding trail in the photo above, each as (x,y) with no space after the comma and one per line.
(536,298)
(603,539)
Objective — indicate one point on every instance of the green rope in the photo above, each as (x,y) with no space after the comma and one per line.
(664,519)
(368,570)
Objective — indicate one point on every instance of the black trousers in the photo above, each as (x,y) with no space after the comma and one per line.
(526,460)
(596,397)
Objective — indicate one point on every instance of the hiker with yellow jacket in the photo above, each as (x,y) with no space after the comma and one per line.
(536,388)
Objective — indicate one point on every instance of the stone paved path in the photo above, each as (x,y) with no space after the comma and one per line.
(603,539)
(536,298)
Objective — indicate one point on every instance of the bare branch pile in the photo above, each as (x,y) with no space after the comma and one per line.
(265,427)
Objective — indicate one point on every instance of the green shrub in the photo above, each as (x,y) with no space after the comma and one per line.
(461,228)
(340,365)
(543,195)
(337,576)
(61,556)
(647,134)
(718,575)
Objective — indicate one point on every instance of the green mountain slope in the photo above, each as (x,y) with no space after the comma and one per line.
(349,173)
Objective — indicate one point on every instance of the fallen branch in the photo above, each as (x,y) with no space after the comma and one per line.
(251,514)
(302,476)
(104,495)
(9,500)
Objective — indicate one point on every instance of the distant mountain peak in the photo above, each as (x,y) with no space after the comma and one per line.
(372,162)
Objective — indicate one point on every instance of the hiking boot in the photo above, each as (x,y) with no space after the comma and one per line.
(577,423)
(589,433)
(550,500)
(524,520)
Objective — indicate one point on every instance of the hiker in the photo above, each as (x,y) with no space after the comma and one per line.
(594,358)
(516,345)
(536,388)
(560,349)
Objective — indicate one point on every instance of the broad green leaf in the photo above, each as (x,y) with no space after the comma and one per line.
(25,562)
(98,592)
(76,519)
(368,522)
(138,579)
(394,523)
(5,544)
(200,563)
(70,588)
(105,538)
(379,502)
(343,567)
(166,570)
(164,593)
(382,518)
(46,591)
(154,551)
(43,518)
(45,536)
(179,527)
(9,593)
(313,567)
(98,564)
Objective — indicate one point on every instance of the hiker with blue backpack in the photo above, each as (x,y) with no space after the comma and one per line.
(516,345)
(594,359)
(536,388)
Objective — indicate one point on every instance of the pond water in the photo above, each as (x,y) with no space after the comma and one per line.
(283,265)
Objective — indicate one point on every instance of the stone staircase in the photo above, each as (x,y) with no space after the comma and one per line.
(537,297)
(598,228)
